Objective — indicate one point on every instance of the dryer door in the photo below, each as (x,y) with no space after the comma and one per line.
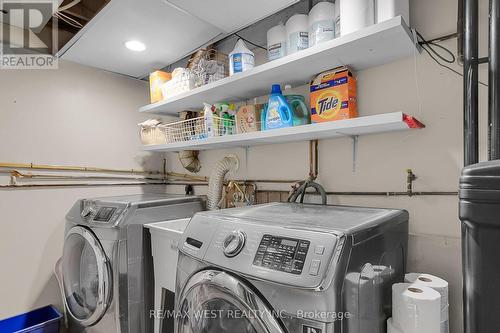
(86,277)
(215,301)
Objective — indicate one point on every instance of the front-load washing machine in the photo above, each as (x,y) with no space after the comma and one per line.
(290,268)
(106,273)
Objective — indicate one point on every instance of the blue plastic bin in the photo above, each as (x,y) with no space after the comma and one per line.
(43,320)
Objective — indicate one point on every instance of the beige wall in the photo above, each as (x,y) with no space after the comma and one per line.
(75,116)
(83,116)
(419,87)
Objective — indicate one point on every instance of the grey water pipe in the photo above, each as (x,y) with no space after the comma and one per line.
(471,84)
(494,82)
(460,32)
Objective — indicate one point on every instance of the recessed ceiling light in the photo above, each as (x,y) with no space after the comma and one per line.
(135,45)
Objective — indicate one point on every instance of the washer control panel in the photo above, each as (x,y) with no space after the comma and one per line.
(282,254)
(93,213)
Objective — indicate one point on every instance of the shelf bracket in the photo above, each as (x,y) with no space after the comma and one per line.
(355,139)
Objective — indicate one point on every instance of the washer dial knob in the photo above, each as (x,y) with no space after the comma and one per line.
(88,211)
(234,243)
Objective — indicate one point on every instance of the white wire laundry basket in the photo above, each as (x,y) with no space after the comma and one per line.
(198,128)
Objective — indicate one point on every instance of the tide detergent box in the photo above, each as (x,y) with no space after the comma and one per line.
(333,96)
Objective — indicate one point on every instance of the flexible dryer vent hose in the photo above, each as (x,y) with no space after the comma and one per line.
(216,182)
(189,160)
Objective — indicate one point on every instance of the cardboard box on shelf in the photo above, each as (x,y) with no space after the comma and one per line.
(248,118)
(333,95)
(156,81)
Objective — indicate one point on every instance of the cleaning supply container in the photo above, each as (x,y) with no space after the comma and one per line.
(241,58)
(297,33)
(322,18)
(301,114)
(278,113)
(276,42)
(356,15)
(42,320)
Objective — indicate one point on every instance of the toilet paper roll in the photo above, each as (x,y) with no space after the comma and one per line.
(356,15)
(416,309)
(387,9)
(391,328)
(431,281)
(445,320)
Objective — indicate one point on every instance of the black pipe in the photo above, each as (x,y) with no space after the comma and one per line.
(382,194)
(460,32)
(494,83)
(471,46)
(471,137)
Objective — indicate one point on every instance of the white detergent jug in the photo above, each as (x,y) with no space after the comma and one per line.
(241,58)
(322,18)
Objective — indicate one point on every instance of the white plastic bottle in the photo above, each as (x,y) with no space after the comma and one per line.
(241,58)
(322,19)
(276,42)
(297,33)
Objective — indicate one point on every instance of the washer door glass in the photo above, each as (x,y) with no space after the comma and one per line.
(86,276)
(214,301)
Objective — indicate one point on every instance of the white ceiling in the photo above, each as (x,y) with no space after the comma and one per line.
(167,33)
(230,16)
(171,29)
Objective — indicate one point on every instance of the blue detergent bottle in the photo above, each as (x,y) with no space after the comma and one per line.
(278,113)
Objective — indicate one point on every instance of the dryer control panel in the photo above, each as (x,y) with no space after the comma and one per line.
(282,254)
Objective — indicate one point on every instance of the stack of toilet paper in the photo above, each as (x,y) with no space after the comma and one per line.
(419,305)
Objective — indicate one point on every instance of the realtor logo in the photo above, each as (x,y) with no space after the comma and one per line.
(309,329)
(21,45)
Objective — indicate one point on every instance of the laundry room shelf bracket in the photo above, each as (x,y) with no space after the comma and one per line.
(381,123)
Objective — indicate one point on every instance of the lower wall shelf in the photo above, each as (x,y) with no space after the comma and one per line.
(388,122)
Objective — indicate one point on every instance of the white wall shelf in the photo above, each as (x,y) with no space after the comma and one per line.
(388,122)
(376,45)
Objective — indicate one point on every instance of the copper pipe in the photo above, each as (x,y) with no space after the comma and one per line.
(313,159)
(78,185)
(266,181)
(74,168)
(133,171)
(21,176)
(186,176)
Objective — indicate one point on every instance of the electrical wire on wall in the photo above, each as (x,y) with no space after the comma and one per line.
(250,42)
(431,47)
